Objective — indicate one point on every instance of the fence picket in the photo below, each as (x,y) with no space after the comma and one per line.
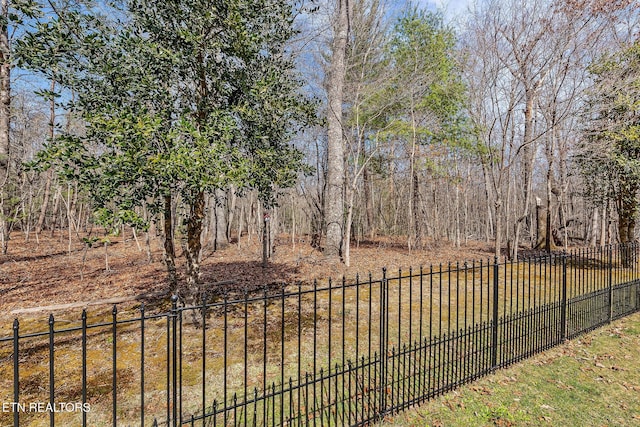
(299,356)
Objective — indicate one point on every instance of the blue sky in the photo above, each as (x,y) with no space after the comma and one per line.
(452,8)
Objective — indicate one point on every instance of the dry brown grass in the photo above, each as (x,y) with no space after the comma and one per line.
(39,275)
(43,273)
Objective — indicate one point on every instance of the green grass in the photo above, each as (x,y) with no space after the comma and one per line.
(344,317)
(593,380)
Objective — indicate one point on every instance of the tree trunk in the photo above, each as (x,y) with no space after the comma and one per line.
(527,168)
(47,185)
(69,221)
(627,212)
(45,202)
(412,216)
(334,203)
(54,212)
(498,217)
(418,241)
(488,229)
(457,216)
(169,248)
(266,223)
(544,230)
(4,232)
(293,222)
(549,243)
(273,230)
(240,221)
(347,235)
(231,212)
(368,197)
(220,202)
(194,294)
(5,94)
(604,225)
(5,120)
(593,238)
(544,240)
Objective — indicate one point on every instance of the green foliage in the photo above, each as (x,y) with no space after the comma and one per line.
(610,156)
(497,415)
(183,97)
(422,53)
(20,11)
(422,99)
(425,84)
(90,241)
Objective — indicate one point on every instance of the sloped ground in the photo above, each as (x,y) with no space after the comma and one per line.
(593,380)
(42,275)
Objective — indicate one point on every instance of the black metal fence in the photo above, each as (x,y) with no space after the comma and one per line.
(334,353)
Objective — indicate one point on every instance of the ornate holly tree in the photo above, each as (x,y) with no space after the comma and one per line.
(177,99)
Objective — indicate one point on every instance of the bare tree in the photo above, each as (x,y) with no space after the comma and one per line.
(526,67)
(5,117)
(367,74)
(334,202)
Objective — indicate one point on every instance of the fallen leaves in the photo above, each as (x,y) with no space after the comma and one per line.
(482,390)
(564,386)
(42,274)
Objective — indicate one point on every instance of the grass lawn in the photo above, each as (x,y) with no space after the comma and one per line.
(593,380)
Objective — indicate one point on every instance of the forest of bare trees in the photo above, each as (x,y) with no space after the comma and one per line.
(518,125)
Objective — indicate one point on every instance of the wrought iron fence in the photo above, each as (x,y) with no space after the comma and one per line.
(321,354)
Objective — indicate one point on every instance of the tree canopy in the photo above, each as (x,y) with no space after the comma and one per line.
(177,100)
(610,155)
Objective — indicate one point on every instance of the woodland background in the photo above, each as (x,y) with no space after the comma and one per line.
(325,124)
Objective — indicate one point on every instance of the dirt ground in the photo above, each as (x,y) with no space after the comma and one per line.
(49,274)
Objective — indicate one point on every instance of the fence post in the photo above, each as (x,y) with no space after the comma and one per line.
(563,308)
(383,342)
(610,283)
(174,360)
(494,338)
(52,371)
(114,360)
(16,371)
(634,274)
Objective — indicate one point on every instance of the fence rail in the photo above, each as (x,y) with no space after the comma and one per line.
(338,353)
